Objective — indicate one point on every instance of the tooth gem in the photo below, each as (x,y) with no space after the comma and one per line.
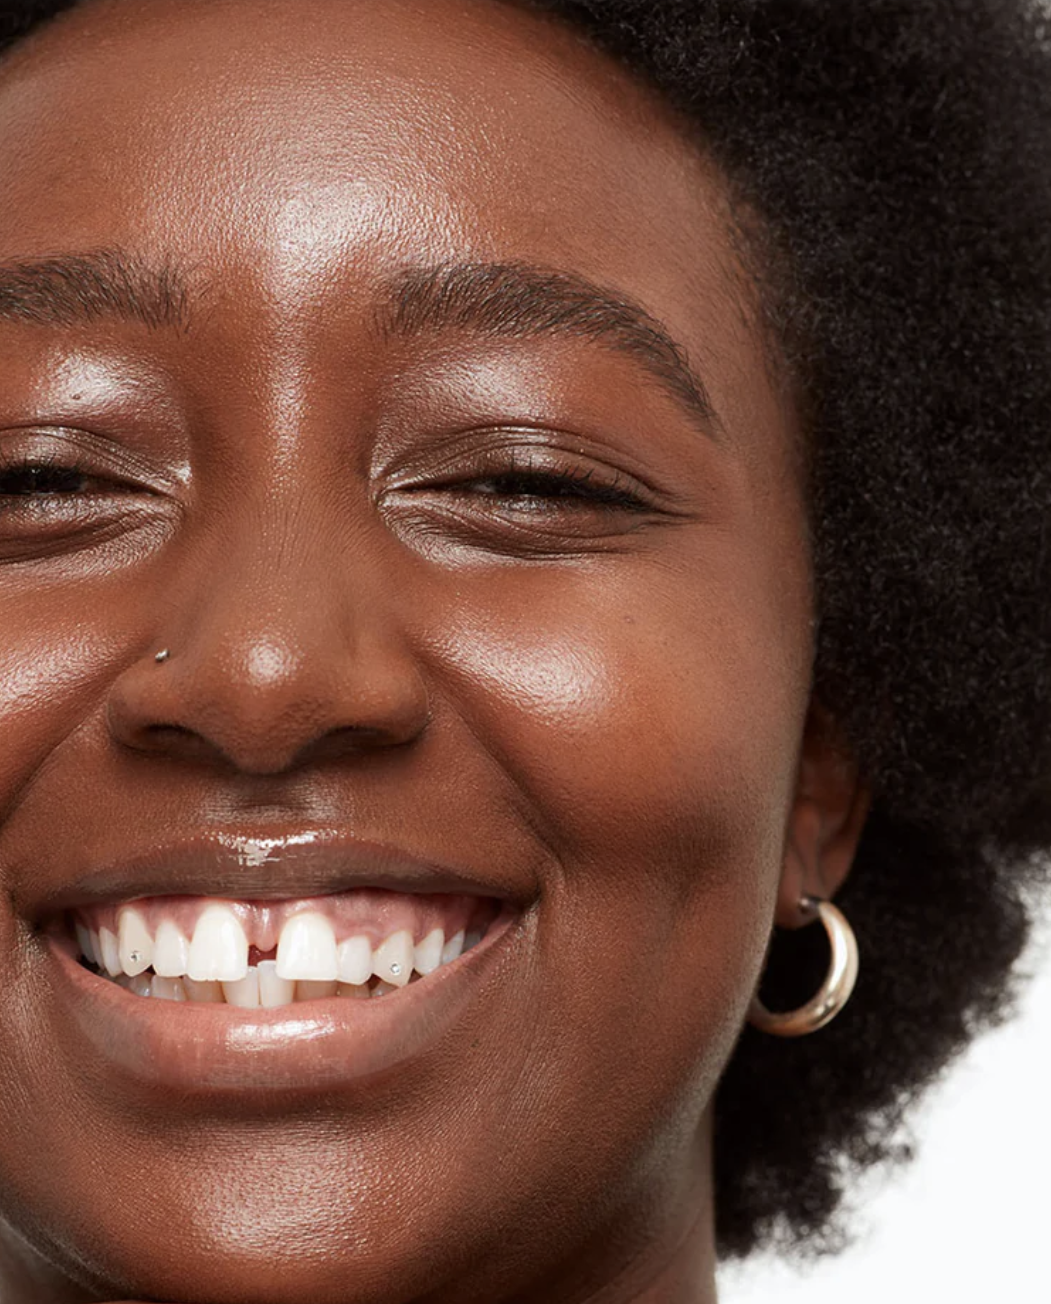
(393,959)
(262,985)
(134,944)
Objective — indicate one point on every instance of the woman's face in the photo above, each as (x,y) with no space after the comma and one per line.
(413,257)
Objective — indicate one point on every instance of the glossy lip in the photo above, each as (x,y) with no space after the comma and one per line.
(240,867)
(324,1045)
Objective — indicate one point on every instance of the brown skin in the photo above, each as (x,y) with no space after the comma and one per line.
(616,704)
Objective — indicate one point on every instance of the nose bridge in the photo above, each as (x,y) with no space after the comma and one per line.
(283,642)
(277,569)
(262,604)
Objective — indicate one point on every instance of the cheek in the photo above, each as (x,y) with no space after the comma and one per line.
(649,718)
(644,711)
(63,642)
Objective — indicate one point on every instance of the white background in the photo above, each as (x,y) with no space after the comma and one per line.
(969,1221)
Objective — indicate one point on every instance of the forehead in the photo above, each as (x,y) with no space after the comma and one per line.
(292,149)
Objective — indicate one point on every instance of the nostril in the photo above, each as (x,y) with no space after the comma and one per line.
(174,739)
(165,731)
(265,704)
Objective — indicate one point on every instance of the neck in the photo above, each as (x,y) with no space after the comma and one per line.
(682,1272)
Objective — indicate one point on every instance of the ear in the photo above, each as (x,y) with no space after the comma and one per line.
(828,814)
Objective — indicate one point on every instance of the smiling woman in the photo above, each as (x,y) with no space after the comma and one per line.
(505,511)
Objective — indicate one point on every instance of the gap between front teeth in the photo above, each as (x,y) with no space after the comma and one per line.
(212,966)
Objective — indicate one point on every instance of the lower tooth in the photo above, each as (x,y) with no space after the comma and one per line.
(244,993)
(274,991)
(205,993)
(308,989)
(356,991)
(168,989)
(382,988)
(141,984)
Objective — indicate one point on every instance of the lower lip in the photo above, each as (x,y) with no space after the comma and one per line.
(315,1045)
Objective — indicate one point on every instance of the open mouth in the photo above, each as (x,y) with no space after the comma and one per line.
(262,954)
(370,959)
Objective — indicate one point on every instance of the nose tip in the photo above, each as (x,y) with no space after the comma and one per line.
(264,706)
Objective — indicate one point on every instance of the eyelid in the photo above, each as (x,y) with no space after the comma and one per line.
(102,457)
(492,450)
(540,461)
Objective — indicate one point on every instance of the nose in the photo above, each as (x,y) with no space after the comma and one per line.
(274,660)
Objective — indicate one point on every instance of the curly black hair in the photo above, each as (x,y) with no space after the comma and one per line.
(891,165)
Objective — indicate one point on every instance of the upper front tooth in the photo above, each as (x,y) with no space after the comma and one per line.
(136,944)
(307,949)
(219,950)
(171,950)
(354,961)
(428,955)
(393,959)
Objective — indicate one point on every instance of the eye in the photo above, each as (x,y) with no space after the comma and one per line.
(43,476)
(522,501)
(528,489)
(54,501)
(27,478)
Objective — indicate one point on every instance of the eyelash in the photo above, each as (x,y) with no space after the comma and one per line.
(521,482)
(40,467)
(553,483)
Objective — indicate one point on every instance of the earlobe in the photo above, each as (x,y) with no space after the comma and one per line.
(825,823)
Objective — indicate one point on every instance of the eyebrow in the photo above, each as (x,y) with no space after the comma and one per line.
(518,300)
(69,289)
(495,300)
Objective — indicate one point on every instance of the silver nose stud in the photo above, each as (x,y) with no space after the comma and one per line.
(162,656)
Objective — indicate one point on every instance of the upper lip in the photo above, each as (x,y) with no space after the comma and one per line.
(260,867)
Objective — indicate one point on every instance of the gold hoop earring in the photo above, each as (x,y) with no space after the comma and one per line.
(835,990)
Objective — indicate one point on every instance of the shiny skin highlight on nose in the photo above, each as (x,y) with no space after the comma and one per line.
(412,405)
